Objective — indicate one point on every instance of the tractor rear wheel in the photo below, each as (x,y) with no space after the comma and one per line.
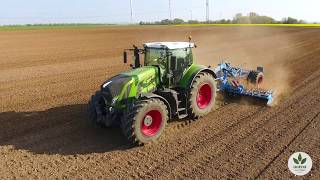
(145,122)
(255,77)
(202,95)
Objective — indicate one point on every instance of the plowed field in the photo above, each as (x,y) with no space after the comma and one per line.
(47,77)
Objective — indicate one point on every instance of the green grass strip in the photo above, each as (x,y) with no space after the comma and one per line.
(252,25)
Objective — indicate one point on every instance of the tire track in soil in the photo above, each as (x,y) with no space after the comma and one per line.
(308,142)
(286,146)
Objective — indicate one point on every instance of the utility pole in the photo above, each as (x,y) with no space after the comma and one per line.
(191,15)
(170,10)
(131,9)
(207,11)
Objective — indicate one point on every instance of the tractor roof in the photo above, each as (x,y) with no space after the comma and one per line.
(169,45)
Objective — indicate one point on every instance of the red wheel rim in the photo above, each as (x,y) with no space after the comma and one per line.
(204,96)
(151,123)
(260,79)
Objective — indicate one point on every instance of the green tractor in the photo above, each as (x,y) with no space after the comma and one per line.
(168,85)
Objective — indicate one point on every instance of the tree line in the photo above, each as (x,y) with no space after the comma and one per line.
(251,18)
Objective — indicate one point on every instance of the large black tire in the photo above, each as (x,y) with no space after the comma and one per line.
(255,77)
(95,102)
(138,127)
(202,95)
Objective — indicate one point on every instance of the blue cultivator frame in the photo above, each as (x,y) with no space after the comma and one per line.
(226,75)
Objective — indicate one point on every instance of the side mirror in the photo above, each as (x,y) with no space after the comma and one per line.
(125,57)
(173,63)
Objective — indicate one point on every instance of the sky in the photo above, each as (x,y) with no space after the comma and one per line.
(111,11)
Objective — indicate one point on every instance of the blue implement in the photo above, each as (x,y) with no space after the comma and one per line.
(227,82)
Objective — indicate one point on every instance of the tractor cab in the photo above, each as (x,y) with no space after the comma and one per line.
(172,58)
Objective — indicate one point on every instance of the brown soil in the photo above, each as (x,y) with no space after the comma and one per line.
(47,76)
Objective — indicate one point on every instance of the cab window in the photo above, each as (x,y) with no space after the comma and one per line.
(152,56)
(184,56)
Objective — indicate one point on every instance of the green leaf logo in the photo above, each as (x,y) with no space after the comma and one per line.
(295,161)
(299,160)
(300,163)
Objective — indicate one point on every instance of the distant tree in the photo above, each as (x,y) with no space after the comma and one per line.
(238,16)
(208,22)
(252,18)
(239,19)
(223,21)
(261,20)
(193,22)
(290,20)
(253,14)
(165,21)
(178,21)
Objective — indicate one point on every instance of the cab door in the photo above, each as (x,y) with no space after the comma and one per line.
(183,61)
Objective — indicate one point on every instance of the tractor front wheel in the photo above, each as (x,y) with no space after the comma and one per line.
(202,95)
(96,109)
(145,122)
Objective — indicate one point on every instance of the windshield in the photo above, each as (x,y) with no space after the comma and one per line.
(152,56)
(184,56)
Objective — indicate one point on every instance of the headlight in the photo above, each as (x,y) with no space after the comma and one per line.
(106,84)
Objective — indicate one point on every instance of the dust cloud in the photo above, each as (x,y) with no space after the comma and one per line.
(248,48)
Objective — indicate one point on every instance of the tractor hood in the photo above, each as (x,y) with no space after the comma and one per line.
(141,73)
(130,84)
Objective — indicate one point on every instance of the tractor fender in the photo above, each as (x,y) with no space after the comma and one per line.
(152,95)
(207,70)
(191,74)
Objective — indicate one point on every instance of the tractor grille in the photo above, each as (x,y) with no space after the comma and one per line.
(115,86)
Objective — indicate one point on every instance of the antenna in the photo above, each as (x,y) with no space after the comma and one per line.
(207,11)
(170,10)
(131,19)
